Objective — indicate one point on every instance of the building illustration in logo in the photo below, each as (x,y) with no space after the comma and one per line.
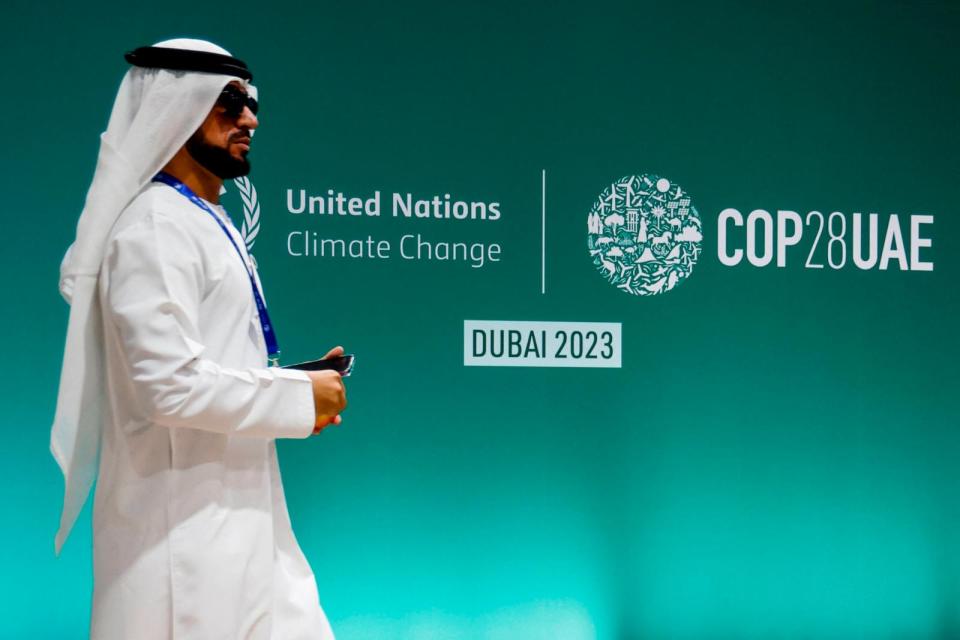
(644,234)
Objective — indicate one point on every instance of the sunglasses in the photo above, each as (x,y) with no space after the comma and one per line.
(233,100)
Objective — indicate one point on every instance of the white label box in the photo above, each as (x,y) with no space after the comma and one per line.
(515,343)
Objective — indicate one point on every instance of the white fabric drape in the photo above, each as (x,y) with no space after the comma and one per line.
(155,112)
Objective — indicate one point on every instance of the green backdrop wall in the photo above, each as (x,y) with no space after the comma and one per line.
(776,456)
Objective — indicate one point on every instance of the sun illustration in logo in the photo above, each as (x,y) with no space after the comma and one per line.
(644,234)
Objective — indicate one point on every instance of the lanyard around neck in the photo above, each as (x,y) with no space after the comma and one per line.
(269,337)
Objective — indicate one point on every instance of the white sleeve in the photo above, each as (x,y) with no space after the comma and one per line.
(153,291)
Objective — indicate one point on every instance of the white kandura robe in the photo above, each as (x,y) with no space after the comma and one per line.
(192,539)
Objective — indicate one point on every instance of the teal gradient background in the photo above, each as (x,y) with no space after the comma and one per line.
(777,458)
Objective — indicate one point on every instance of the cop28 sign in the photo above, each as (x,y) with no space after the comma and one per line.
(761,238)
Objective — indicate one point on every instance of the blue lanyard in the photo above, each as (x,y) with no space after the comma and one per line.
(269,337)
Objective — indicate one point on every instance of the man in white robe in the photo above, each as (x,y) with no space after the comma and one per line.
(192,539)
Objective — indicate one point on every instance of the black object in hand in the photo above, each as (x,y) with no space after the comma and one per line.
(342,364)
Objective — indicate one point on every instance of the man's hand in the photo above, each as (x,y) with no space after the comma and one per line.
(329,394)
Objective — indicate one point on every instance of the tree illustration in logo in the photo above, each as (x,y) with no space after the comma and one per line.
(644,234)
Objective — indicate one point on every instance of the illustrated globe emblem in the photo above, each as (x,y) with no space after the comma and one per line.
(644,234)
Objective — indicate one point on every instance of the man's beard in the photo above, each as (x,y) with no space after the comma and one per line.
(216,160)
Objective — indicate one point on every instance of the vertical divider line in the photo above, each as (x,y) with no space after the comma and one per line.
(543,231)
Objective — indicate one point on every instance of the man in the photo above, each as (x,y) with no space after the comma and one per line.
(165,373)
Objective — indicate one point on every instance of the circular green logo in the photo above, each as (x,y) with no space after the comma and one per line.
(644,234)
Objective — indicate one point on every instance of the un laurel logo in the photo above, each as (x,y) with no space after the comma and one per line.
(250,227)
(644,234)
